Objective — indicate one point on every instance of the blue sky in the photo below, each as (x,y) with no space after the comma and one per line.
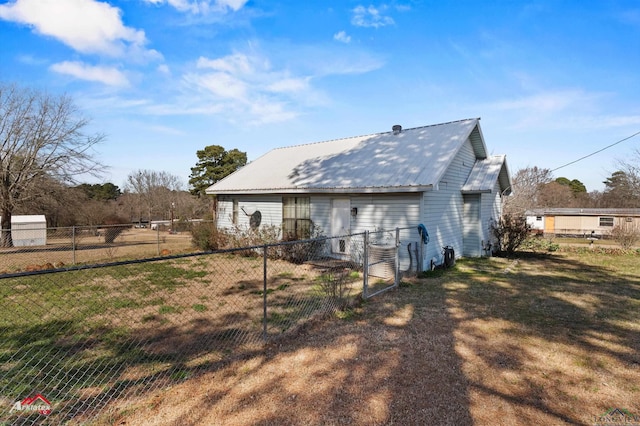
(551,80)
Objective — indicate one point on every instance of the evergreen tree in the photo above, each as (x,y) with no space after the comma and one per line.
(214,163)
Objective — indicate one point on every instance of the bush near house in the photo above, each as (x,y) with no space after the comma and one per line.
(510,231)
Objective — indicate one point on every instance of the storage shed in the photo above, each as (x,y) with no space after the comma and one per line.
(28,230)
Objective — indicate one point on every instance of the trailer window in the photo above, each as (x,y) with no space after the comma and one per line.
(606,221)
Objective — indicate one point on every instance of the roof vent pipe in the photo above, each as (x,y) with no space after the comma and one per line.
(396,129)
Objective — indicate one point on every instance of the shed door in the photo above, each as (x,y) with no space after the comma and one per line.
(340,224)
(549,225)
(471,226)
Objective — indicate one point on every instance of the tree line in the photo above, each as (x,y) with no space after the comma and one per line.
(45,150)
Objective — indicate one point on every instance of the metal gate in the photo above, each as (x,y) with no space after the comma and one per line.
(381,262)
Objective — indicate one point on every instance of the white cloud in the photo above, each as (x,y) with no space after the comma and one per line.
(202,6)
(546,102)
(342,37)
(221,85)
(236,64)
(370,17)
(106,75)
(87,26)
(247,86)
(164,69)
(569,109)
(290,85)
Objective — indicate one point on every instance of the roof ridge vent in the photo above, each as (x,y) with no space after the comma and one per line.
(396,129)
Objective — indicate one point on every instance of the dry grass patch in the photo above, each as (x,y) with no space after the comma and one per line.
(547,340)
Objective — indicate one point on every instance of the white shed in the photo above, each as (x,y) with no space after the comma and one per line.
(28,230)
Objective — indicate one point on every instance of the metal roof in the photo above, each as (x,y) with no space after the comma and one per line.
(485,173)
(412,160)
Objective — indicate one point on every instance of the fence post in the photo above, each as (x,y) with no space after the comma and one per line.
(365,265)
(157,236)
(264,292)
(396,278)
(421,259)
(73,244)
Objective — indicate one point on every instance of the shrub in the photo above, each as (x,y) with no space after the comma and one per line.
(537,244)
(510,232)
(206,236)
(251,237)
(302,251)
(114,227)
(625,235)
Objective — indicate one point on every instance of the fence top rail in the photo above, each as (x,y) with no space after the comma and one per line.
(187,255)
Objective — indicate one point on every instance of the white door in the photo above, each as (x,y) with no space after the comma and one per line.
(340,224)
(471,246)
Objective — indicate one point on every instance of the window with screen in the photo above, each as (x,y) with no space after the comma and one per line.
(606,221)
(296,218)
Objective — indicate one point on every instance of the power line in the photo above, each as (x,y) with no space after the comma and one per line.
(596,152)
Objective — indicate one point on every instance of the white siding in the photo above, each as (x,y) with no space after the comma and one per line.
(535,223)
(443,207)
(321,213)
(387,212)
(270,207)
(490,213)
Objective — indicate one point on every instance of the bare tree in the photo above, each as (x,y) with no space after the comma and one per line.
(527,184)
(155,191)
(41,136)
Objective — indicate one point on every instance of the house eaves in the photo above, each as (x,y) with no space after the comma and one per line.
(346,190)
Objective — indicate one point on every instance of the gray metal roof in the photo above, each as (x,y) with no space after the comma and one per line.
(582,212)
(485,173)
(412,160)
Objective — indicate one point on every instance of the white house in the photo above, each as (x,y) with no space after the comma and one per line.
(28,230)
(439,175)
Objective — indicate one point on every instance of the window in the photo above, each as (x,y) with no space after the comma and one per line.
(539,218)
(296,218)
(606,221)
(234,217)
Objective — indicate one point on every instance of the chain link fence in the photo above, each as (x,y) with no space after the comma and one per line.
(76,339)
(48,248)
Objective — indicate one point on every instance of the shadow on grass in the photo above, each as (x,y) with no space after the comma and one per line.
(392,361)
(573,320)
